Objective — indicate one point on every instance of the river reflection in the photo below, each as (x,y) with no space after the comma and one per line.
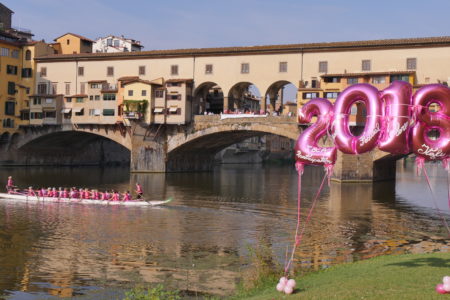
(199,241)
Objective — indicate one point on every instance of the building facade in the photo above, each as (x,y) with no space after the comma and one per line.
(317,70)
(112,44)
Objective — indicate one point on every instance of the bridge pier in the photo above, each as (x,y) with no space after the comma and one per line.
(366,167)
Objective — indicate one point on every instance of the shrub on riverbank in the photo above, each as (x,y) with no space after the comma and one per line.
(410,276)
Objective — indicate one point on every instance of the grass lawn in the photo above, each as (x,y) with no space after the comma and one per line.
(410,276)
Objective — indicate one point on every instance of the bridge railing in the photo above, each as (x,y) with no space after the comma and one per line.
(198,119)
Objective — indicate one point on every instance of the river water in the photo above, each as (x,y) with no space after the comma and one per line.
(200,242)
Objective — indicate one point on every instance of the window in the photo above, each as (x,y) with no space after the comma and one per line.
(80,100)
(310,95)
(42,88)
(8,123)
(15,54)
(174,97)
(174,70)
(411,63)
(91,98)
(109,97)
(141,70)
(68,100)
(245,68)
(35,115)
(365,65)
(331,95)
(12,70)
(80,112)
(27,91)
(43,71)
(323,66)
(116,43)
(68,42)
(208,69)
(130,93)
(97,97)
(67,88)
(283,67)
(82,87)
(11,88)
(399,77)
(37,101)
(95,86)
(48,100)
(5,52)
(314,83)
(159,94)
(10,108)
(92,112)
(174,84)
(80,71)
(109,42)
(379,79)
(332,79)
(110,71)
(50,114)
(108,112)
(352,80)
(144,93)
(28,55)
(54,88)
(27,73)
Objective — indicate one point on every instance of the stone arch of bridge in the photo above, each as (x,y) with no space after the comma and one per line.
(117,134)
(244,96)
(196,151)
(208,97)
(274,94)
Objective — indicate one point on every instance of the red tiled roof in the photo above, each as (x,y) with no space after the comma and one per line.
(368,74)
(179,80)
(77,35)
(128,78)
(77,96)
(288,48)
(96,81)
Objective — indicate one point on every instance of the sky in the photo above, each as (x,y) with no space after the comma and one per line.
(212,23)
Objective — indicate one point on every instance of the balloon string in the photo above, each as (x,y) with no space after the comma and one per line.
(444,221)
(298,238)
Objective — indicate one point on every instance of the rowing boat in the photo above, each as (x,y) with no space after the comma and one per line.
(25,198)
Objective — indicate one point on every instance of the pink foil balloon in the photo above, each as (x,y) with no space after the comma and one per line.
(288,290)
(307,150)
(395,135)
(446,279)
(440,289)
(368,140)
(280,287)
(422,145)
(291,283)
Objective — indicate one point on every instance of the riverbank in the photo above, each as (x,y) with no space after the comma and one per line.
(409,276)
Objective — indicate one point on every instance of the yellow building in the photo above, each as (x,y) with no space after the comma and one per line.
(331,85)
(71,43)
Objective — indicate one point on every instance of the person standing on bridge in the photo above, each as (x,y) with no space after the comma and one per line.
(139,191)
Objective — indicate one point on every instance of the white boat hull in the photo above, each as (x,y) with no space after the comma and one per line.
(36,199)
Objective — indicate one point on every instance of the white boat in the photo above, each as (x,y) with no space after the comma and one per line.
(25,198)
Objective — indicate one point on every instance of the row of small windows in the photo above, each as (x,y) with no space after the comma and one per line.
(245,69)
(366,65)
(6,52)
(12,70)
